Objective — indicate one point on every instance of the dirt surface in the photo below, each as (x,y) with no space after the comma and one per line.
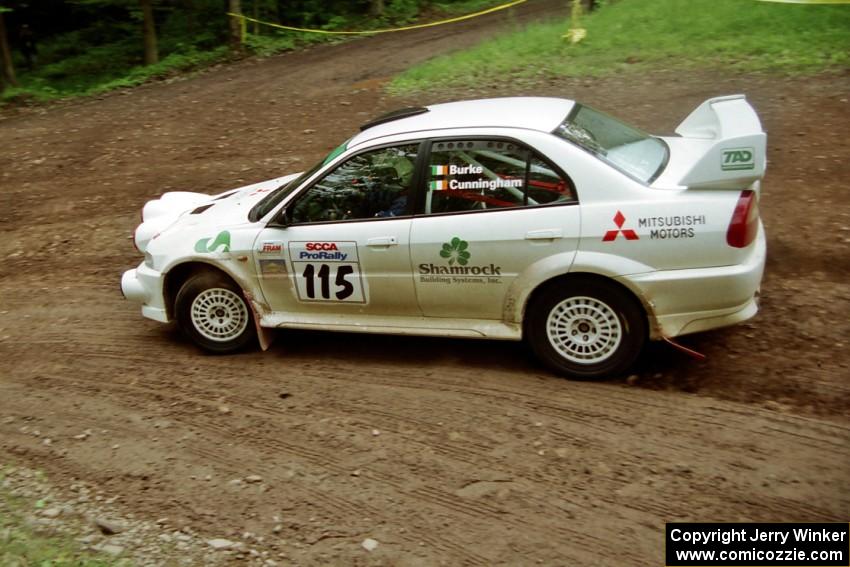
(447,451)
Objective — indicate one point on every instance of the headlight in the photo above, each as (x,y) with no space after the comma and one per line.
(148,260)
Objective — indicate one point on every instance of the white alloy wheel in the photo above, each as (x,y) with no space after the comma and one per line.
(584,330)
(219,314)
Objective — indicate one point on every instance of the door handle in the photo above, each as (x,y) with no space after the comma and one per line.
(545,234)
(381,241)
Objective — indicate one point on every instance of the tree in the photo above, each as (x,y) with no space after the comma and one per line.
(8,70)
(235,25)
(132,9)
(149,32)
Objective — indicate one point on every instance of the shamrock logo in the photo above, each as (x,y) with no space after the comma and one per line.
(456,251)
(221,240)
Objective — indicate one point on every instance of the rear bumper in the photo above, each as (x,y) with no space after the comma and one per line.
(689,301)
(144,285)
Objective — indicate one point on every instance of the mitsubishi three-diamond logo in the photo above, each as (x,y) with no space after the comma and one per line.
(628,233)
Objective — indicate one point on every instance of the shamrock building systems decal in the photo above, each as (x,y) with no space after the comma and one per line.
(457,268)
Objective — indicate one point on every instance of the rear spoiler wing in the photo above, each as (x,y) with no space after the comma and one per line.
(737,156)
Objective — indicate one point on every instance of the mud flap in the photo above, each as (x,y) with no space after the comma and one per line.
(684,349)
(264,336)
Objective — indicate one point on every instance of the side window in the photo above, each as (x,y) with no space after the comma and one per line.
(369,185)
(545,185)
(490,174)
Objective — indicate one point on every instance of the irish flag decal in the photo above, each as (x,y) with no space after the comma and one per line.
(440,185)
(437,170)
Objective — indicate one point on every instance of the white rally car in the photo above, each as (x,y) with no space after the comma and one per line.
(513,218)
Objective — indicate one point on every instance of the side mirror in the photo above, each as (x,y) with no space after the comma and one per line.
(282,220)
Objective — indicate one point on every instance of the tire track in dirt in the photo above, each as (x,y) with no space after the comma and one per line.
(827,432)
(429,495)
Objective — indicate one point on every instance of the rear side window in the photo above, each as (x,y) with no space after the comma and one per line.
(633,152)
(480,175)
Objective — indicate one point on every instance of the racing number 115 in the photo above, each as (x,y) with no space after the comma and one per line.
(343,288)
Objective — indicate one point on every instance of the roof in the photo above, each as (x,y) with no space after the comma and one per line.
(532,113)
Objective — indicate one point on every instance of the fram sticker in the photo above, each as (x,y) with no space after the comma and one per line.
(628,234)
(271,247)
(738,158)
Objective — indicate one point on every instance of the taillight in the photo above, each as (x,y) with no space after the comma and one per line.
(745,221)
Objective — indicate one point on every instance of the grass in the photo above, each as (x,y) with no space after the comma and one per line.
(21,545)
(733,35)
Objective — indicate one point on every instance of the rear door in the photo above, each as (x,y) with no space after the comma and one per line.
(493,207)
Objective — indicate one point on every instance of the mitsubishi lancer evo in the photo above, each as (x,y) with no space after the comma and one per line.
(536,219)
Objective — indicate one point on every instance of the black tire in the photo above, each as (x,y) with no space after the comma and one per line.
(223,321)
(598,329)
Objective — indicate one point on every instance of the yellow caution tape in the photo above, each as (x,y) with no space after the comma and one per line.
(369,32)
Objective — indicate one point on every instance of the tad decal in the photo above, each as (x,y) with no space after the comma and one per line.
(737,159)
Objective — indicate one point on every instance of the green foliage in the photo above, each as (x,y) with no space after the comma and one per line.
(401,11)
(264,45)
(458,7)
(103,69)
(90,46)
(20,544)
(734,35)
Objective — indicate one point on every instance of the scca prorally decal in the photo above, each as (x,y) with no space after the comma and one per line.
(222,240)
(322,251)
(457,256)
(674,226)
(327,271)
(628,234)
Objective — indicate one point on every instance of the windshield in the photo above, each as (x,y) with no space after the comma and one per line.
(626,148)
(271,200)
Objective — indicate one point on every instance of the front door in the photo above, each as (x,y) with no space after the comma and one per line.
(346,247)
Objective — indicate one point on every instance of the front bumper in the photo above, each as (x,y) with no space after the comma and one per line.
(145,285)
(681,302)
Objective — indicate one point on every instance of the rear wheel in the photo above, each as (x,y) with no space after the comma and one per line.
(585,328)
(214,314)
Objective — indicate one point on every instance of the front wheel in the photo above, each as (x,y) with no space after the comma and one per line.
(214,314)
(585,328)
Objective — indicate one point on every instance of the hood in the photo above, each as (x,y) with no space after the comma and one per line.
(187,208)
